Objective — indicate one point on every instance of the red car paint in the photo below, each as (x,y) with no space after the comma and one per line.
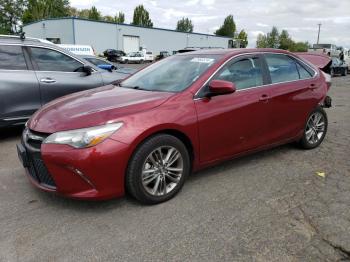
(216,128)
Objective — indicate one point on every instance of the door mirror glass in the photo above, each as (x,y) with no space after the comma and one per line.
(221,87)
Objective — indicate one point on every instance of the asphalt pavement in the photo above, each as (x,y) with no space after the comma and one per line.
(284,204)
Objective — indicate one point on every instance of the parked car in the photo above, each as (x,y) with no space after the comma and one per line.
(162,54)
(104,64)
(134,57)
(347,57)
(33,73)
(113,55)
(148,56)
(189,111)
(79,49)
(338,67)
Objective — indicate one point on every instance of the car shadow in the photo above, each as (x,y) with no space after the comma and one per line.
(86,206)
(11,132)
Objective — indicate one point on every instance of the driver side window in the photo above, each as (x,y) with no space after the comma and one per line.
(51,60)
(244,73)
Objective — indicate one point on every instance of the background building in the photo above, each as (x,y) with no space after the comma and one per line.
(104,35)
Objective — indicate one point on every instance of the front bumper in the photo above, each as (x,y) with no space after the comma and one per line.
(94,173)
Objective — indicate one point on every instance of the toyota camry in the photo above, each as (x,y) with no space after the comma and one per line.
(146,134)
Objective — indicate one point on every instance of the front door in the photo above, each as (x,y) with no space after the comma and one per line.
(59,75)
(234,123)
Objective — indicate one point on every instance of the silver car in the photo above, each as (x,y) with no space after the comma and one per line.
(34,72)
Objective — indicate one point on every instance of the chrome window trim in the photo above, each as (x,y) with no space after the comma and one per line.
(316,73)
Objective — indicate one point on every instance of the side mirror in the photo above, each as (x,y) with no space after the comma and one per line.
(87,70)
(221,87)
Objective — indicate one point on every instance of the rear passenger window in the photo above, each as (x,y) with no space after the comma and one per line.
(303,73)
(12,58)
(282,68)
(50,60)
(244,73)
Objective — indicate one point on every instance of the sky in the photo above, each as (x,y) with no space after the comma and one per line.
(299,17)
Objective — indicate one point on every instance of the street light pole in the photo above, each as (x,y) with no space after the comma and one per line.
(318,36)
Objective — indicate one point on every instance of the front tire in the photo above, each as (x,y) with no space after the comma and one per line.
(158,169)
(315,129)
(345,71)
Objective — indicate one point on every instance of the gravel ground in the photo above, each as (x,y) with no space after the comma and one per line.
(270,206)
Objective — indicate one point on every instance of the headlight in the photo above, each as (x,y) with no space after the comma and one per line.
(85,137)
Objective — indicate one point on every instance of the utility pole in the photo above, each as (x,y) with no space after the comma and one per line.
(318,36)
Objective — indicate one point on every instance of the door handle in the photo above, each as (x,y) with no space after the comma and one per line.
(48,80)
(264,98)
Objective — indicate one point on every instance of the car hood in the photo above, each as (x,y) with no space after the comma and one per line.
(93,107)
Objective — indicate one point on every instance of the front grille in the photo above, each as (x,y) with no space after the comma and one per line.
(34,139)
(37,170)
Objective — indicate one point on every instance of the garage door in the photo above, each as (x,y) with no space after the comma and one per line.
(131,43)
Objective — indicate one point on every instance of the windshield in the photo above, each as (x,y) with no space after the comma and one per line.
(173,74)
(96,61)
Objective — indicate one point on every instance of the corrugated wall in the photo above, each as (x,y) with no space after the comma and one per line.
(107,35)
(62,29)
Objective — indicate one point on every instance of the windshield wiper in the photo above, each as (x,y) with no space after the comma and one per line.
(135,87)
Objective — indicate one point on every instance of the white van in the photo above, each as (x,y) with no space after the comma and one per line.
(79,49)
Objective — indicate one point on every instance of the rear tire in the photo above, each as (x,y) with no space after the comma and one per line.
(315,129)
(158,169)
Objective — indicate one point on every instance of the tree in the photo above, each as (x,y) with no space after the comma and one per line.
(184,25)
(261,41)
(83,13)
(228,28)
(94,14)
(243,38)
(119,18)
(42,9)
(108,18)
(273,38)
(285,41)
(141,17)
(299,47)
(11,12)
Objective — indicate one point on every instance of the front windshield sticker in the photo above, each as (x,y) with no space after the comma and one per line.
(204,60)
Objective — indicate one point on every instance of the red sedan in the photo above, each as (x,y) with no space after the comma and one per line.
(146,134)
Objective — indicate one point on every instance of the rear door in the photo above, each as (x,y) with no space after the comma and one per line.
(59,75)
(291,96)
(19,88)
(237,122)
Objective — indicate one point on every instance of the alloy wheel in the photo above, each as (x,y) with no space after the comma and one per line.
(315,128)
(162,170)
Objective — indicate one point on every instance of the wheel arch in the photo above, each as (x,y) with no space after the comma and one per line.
(176,132)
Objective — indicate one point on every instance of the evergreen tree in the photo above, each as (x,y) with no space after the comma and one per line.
(184,25)
(141,17)
(228,28)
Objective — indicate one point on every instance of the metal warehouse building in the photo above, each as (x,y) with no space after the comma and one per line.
(129,38)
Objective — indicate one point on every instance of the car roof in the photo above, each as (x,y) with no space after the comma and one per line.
(234,51)
(13,39)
